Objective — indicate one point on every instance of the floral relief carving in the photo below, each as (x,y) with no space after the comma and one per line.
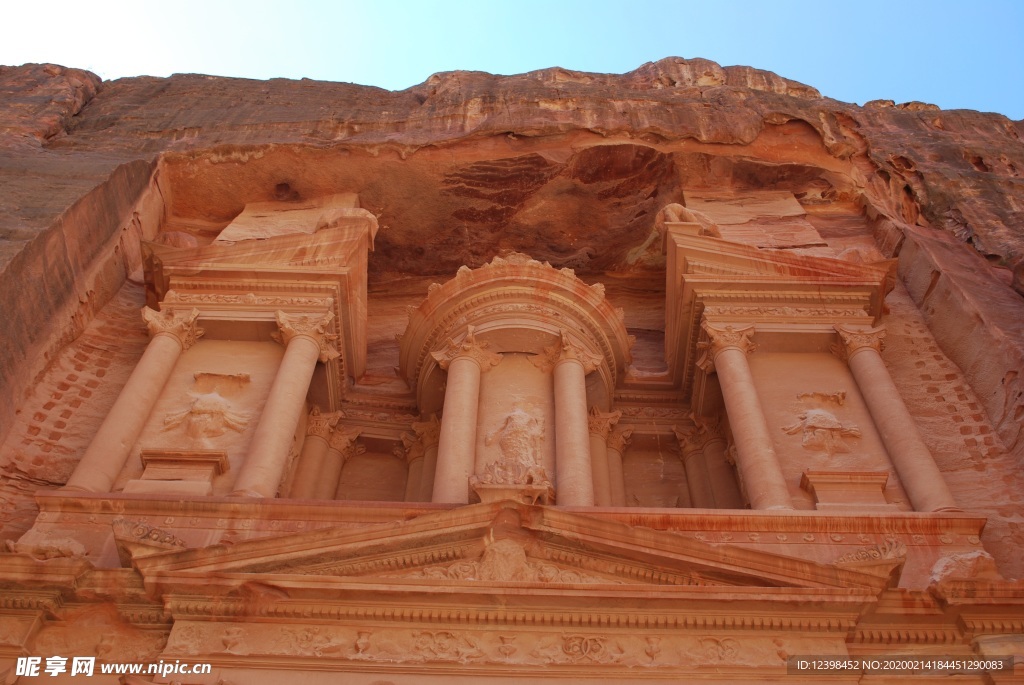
(891,548)
(178,324)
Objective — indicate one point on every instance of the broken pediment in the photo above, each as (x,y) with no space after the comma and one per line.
(484,545)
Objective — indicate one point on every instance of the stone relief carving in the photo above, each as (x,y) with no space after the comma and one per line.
(506,561)
(43,547)
(837,398)
(892,548)
(140,531)
(211,414)
(520,439)
(822,431)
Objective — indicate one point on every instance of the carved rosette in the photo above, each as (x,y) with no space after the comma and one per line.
(856,339)
(567,349)
(321,425)
(178,324)
(721,339)
(601,423)
(469,348)
(619,439)
(312,326)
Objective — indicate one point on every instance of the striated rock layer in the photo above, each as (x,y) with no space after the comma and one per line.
(569,167)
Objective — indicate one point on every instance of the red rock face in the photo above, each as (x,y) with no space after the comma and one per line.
(568,167)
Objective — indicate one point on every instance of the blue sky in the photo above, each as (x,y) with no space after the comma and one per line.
(953,54)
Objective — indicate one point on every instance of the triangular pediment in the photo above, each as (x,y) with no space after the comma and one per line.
(499,543)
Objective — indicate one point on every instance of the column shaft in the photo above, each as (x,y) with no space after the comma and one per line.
(720,475)
(413,480)
(268,454)
(697,481)
(456,451)
(427,475)
(918,473)
(310,468)
(112,444)
(757,461)
(575,484)
(599,461)
(617,442)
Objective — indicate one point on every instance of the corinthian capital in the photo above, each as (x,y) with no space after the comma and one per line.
(619,439)
(565,350)
(429,431)
(469,348)
(601,423)
(344,440)
(312,326)
(855,339)
(321,425)
(180,325)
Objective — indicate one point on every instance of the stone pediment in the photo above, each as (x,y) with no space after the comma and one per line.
(479,546)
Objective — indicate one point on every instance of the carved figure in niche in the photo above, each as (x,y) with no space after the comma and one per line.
(211,414)
(519,438)
(822,431)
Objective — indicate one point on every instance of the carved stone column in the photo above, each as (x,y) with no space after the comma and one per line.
(571,363)
(698,483)
(314,452)
(618,440)
(412,450)
(921,478)
(306,341)
(600,425)
(456,451)
(340,448)
(428,432)
(173,332)
(758,464)
(724,487)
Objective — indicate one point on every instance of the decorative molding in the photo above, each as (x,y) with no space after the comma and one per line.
(822,430)
(248,299)
(892,548)
(178,324)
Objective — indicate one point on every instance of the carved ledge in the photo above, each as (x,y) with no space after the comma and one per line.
(469,348)
(312,326)
(177,324)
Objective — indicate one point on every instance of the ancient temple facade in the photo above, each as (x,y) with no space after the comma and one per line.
(729,453)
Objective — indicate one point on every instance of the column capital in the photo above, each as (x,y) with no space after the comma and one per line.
(178,324)
(855,339)
(721,338)
(469,348)
(619,439)
(567,349)
(601,423)
(321,425)
(343,440)
(704,430)
(412,448)
(312,326)
(428,432)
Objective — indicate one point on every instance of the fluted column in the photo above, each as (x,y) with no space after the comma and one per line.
(600,424)
(341,447)
(314,453)
(456,452)
(698,483)
(173,332)
(428,432)
(921,478)
(758,464)
(570,363)
(618,440)
(306,341)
